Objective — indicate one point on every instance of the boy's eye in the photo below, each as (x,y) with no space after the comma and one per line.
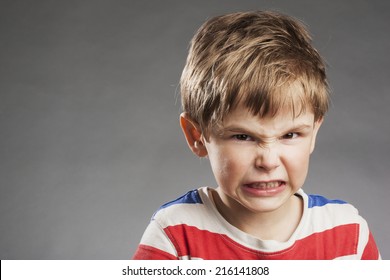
(290,135)
(242,137)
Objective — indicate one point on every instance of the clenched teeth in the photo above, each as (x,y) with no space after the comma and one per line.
(264,185)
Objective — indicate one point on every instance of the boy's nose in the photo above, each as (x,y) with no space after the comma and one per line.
(268,158)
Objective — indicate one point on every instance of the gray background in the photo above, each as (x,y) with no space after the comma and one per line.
(90,144)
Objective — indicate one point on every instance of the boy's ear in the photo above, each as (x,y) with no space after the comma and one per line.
(317,125)
(193,135)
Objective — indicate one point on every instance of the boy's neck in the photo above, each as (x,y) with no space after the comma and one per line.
(277,225)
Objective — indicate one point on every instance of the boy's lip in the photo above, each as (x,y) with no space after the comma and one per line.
(264,188)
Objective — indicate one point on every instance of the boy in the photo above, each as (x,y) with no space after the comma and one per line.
(254,94)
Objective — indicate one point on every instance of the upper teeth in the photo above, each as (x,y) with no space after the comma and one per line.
(264,185)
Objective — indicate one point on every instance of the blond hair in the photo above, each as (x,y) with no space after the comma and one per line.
(251,58)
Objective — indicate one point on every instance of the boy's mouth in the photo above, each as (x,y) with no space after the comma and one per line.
(265,185)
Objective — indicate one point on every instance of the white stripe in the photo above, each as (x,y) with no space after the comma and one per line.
(155,236)
(329,216)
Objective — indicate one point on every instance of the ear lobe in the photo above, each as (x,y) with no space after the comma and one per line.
(193,135)
(317,126)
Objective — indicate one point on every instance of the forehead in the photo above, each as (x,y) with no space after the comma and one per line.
(285,105)
(242,117)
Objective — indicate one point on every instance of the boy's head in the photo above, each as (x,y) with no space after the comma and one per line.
(254,94)
(251,59)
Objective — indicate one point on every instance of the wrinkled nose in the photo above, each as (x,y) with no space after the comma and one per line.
(268,158)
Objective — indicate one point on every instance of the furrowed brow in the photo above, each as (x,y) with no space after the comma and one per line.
(300,127)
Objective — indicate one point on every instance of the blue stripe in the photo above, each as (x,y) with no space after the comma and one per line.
(191,197)
(317,200)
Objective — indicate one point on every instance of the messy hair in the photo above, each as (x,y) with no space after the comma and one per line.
(252,59)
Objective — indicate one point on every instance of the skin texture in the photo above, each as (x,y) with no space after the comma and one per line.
(259,164)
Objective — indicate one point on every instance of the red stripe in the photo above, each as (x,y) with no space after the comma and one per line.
(145,252)
(371,250)
(329,244)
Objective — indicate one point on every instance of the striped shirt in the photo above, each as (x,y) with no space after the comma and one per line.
(191,227)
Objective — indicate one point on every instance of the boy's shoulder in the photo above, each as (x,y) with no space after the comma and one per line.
(192,205)
(191,197)
(322,210)
(315,200)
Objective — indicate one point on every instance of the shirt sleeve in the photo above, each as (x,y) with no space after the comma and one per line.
(367,248)
(155,245)
(371,251)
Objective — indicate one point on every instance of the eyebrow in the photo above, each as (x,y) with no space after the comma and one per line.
(242,129)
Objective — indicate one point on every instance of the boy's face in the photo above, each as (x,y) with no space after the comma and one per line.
(260,163)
